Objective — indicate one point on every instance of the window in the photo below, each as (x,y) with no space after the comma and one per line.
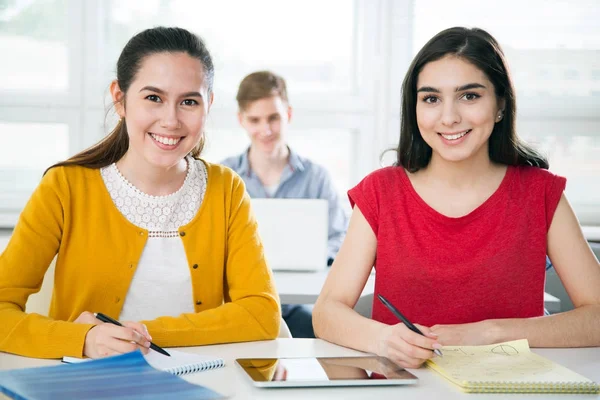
(309,42)
(34,46)
(554,59)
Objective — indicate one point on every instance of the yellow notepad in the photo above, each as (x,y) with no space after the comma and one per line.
(508,367)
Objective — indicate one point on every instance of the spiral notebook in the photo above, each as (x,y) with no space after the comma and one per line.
(180,363)
(126,376)
(508,367)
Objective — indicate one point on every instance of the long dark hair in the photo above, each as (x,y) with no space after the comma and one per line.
(483,51)
(148,42)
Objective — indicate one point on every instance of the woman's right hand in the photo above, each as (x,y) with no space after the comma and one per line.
(405,347)
(105,339)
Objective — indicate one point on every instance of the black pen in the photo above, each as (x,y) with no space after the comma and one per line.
(106,318)
(406,322)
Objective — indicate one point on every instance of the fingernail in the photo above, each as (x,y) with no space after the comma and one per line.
(433,334)
(437,346)
(147,344)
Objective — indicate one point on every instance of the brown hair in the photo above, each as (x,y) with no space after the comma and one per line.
(479,48)
(260,85)
(146,43)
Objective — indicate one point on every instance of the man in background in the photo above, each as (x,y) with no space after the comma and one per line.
(271,169)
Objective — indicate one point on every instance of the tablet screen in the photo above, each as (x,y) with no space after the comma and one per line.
(325,371)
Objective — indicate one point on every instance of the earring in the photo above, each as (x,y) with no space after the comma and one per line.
(499,117)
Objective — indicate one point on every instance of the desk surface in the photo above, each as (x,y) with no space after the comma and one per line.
(305,287)
(229,380)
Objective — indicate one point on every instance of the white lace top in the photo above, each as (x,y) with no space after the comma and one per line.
(162,284)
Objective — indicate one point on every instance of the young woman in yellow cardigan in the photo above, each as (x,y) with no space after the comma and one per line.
(143,230)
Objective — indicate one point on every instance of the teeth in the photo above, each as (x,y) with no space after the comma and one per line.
(164,140)
(457,136)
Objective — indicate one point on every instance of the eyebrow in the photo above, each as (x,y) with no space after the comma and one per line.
(258,117)
(160,91)
(458,89)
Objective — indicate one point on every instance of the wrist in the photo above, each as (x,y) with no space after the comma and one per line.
(376,345)
(496,331)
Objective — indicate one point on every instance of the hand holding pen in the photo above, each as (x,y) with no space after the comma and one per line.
(108,339)
(409,351)
(106,318)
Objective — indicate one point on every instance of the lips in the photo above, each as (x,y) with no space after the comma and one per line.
(454,135)
(168,141)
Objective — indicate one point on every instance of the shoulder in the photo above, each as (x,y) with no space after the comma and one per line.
(384,177)
(312,168)
(538,177)
(234,162)
(222,176)
(74,176)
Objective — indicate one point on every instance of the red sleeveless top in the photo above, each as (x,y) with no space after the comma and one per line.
(436,269)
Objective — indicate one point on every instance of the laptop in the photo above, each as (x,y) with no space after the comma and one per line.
(294,232)
(323,371)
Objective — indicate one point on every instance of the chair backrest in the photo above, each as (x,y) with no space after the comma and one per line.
(39,302)
(284,331)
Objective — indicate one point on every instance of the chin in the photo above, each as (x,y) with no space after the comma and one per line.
(164,161)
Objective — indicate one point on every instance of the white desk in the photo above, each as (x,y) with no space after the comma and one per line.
(305,287)
(229,381)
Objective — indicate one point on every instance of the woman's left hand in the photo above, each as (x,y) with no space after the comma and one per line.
(473,334)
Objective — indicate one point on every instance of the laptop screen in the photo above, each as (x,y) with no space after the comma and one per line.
(294,232)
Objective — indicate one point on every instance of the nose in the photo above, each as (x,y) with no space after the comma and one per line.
(450,114)
(170,119)
(266,129)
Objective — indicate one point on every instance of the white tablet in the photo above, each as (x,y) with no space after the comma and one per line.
(325,371)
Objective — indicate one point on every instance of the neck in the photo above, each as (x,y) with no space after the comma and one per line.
(151,179)
(461,174)
(268,165)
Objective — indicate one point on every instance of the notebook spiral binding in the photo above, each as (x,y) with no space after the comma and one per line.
(531,387)
(191,368)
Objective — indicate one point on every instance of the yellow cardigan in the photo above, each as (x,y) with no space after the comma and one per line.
(71,213)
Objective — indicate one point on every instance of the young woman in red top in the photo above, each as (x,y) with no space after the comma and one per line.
(458,230)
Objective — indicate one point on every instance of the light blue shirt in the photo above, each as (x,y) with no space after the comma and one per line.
(301,179)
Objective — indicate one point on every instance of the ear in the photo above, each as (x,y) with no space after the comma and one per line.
(501,104)
(289,113)
(240,117)
(211,99)
(118,98)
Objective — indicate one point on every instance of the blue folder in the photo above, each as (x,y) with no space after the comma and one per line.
(127,376)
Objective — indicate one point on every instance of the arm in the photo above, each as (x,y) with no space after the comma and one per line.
(251,309)
(334,318)
(338,221)
(33,245)
(579,272)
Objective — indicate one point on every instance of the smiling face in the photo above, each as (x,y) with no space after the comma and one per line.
(165,109)
(266,121)
(456,109)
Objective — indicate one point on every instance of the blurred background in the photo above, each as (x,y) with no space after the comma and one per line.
(344,61)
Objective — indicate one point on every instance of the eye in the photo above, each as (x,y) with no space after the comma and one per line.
(430,99)
(471,96)
(189,102)
(154,98)
(275,117)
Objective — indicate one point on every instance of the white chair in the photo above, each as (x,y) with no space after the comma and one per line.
(39,302)
(284,331)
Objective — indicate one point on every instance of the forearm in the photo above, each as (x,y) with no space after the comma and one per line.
(335,322)
(576,328)
(248,319)
(33,335)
